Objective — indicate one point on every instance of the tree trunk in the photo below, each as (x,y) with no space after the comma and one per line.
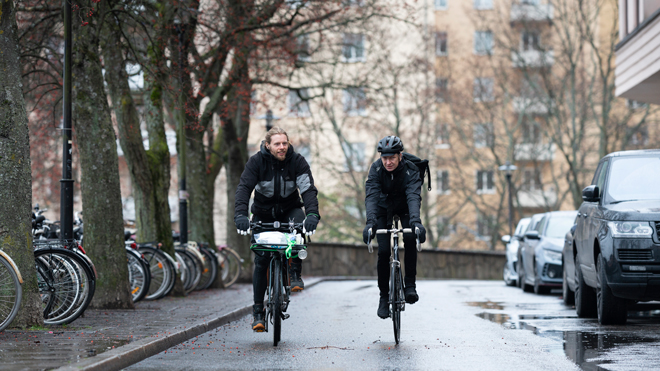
(200,203)
(15,170)
(104,227)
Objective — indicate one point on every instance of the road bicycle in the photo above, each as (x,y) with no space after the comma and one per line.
(283,242)
(11,291)
(396,298)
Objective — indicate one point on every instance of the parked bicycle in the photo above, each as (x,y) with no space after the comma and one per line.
(282,241)
(397,299)
(229,263)
(139,273)
(11,291)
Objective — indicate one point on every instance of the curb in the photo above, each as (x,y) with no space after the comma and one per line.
(142,349)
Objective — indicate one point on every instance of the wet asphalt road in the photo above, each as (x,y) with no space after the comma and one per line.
(457,325)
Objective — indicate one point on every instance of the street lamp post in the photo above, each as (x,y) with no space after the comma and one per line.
(66,193)
(508,167)
(269,117)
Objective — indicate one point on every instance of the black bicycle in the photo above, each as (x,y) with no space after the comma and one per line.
(397,299)
(282,241)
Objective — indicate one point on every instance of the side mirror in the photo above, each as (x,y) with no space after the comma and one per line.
(532,235)
(591,194)
(506,238)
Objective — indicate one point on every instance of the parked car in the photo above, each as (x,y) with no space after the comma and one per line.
(533,223)
(510,271)
(541,256)
(568,263)
(616,240)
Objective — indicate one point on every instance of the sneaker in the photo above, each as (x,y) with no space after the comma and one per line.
(297,283)
(411,295)
(383,308)
(259,314)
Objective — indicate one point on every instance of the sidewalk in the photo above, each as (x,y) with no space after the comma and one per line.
(114,339)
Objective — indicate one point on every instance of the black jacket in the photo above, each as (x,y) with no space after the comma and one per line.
(394,190)
(264,174)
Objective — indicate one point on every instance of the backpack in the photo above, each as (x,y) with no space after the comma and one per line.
(422,165)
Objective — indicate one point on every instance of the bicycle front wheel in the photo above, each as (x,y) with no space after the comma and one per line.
(395,298)
(162,273)
(11,293)
(229,266)
(276,287)
(138,275)
(210,271)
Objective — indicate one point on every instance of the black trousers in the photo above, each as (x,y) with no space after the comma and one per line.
(384,253)
(262,259)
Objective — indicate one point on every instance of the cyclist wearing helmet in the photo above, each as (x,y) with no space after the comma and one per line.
(279,177)
(394,188)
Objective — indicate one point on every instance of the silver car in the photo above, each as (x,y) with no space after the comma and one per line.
(510,272)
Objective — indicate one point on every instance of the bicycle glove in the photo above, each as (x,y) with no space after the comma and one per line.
(242,224)
(365,233)
(311,221)
(422,231)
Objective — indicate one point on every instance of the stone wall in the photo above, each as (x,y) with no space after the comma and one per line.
(327,259)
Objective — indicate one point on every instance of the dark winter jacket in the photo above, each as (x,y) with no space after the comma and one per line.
(394,190)
(292,178)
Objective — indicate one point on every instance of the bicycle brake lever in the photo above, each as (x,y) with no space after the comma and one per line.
(370,245)
(419,245)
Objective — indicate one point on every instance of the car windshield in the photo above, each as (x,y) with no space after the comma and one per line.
(559,225)
(634,178)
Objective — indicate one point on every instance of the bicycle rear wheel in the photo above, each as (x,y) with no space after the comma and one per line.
(229,266)
(210,270)
(11,293)
(395,298)
(161,270)
(276,300)
(138,275)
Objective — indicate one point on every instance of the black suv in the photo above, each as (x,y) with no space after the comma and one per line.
(616,244)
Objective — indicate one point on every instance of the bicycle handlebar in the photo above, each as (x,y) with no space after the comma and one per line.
(394,230)
(277,226)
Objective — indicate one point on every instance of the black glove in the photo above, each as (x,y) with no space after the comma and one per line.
(242,224)
(422,231)
(365,233)
(311,221)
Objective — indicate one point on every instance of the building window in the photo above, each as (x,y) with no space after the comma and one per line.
(441,4)
(635,104)
(442,136)
(639,136)
(355,101)
(530,2)
(295,4)
(484,182)
(354,158)
(531,179)
(353,48)
(531,131)
(483,42)
(532,87)
(303,50)
(530,40)
(441,89)
(442,182)
(445,228)
(483,135)
(483,4)
(440,43)
(298,102)
(305,151)
(483,89)
(484,226)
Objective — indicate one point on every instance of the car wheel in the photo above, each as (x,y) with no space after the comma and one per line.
(567,293)
(585,297)
(538,289)
(611,310)
(507,276)
(520,271)
(522,276)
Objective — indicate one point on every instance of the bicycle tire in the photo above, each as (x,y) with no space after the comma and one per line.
(161,271)
(277,300)
(138,275)
(11,293)
(396,308)
(192,268)
(210,271)
(230,267)
(86,283)
(59,286)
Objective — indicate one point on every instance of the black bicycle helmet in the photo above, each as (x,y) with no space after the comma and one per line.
(390,145)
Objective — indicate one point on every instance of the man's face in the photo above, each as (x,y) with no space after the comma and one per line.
(391,162)
(278,146)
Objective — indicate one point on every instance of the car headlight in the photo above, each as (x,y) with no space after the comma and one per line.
(630,229)
(551,255)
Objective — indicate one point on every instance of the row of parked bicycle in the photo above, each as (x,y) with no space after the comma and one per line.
(66,276)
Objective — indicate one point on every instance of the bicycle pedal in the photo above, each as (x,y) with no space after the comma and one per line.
(285,316)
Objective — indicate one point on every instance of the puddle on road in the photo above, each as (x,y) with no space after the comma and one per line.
(587,349)
(486,304)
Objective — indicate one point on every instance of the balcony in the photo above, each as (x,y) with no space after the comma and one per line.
(533,58)
(534,152)
(531,12)
(530,105)
(537,198)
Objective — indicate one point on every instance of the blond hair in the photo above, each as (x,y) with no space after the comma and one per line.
(275,130)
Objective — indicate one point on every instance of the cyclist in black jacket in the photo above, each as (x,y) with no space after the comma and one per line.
(394,188)
(280,177)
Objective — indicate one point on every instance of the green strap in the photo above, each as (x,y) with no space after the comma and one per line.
(289,246)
